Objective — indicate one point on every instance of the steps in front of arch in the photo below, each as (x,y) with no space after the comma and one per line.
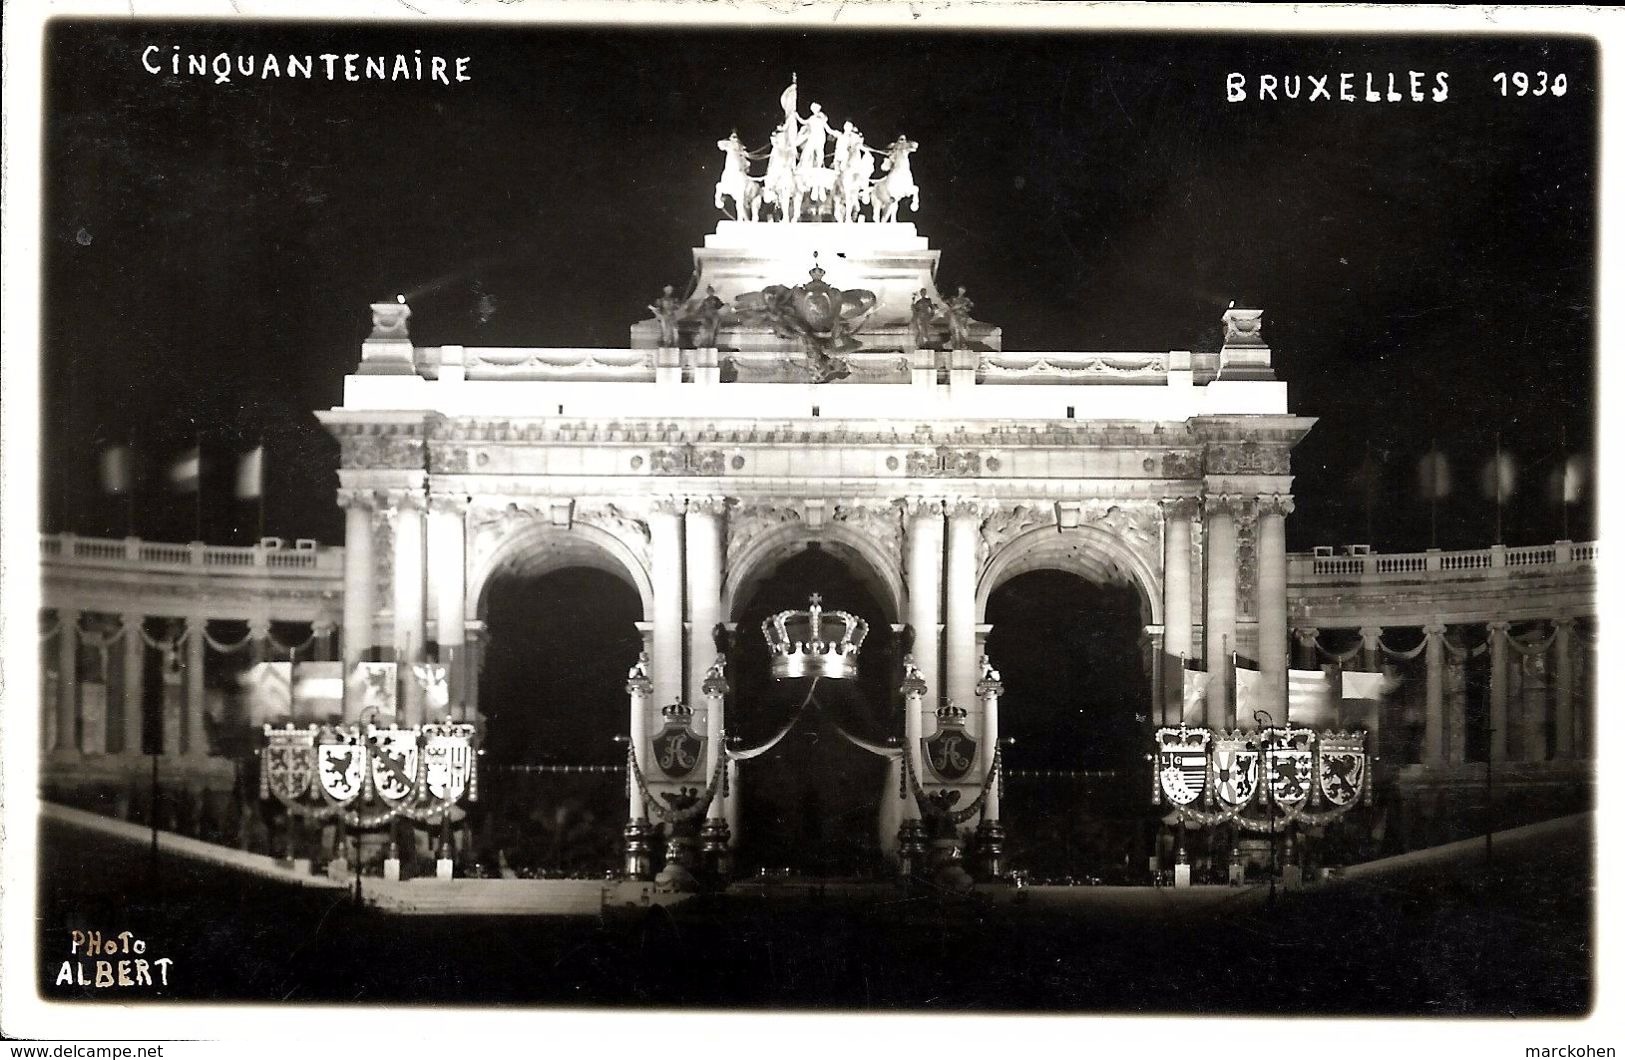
(431,897)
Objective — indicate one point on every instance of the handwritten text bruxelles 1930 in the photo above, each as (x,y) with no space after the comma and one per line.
(112,960)
(223,67)
(1413,86)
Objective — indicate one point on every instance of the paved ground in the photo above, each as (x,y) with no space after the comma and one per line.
(1433,936)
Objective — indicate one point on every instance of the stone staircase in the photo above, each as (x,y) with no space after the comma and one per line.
(432,897)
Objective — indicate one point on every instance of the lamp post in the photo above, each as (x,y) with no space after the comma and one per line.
(1262,717)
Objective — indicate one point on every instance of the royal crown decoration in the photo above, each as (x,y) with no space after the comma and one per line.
(814,642)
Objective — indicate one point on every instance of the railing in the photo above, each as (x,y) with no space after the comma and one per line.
(1497,557)
(133,552)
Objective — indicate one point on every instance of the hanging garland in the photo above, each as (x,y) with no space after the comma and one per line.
(221,646)
(95,639)
(46,636)
(670,816)
(165,646)
(931,810)
(772,741)
(270,639)
(1337,657)
(1530,650)
(1460,652)
(872,748)
(1403,656)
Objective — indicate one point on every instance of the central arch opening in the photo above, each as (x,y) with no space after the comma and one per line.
(1077,695)
(553,692)
(812,803)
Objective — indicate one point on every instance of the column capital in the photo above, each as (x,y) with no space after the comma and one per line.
(1218,504)
(1180,507)
(259,628)
(922,507)
(1565,623)
(1275,504)
(1306,634)
(198,624)
(322,627)
(406,500)
(707,505)
(364,499)
(969,508)
(1498,627)
(449,503)
(1434,629)
(1369,635)
(668,505)
(133,621)
(67,614)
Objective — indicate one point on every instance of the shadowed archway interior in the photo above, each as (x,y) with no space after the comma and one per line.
(811,803)
(1076,701)
(553,691)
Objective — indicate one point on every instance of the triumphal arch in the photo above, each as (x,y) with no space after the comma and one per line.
(815,387)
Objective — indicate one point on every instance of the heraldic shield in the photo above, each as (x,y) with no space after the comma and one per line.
(1182,763)
(341,764)
(1289,756)
(290,762)
(951,750)
(1342,767)
(448,760)
(394,762)
(1235,768)
(678,749)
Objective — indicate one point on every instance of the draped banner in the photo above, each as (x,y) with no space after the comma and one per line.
(372,687)
(268,692)
(318,691)
(1310,698)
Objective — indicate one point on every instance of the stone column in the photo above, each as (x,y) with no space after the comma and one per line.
(408,506)
(134,670)
(990,833)
(924,575)
(1456,708)
(960,619)
(714,694)
(447,539)
(1177,513)
(1308,653)
(639,688)
(195,742)
(322,648)
(1220,630)
(1433,734)
(67,687)
(360,609)
(702,539)
(914,691)
(1498,691)
(1270,600)
(1563,681)
(1371,649)
(666,563)
(1535,705)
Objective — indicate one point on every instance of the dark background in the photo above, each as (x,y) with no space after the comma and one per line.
(1426,270)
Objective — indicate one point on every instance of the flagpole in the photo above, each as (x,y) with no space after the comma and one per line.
(1563,477)
(259,469)
(129,483)
(1499,540)
(1370,489)
(1433,494)
(197,507)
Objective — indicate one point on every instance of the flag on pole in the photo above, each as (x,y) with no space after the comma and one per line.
(267,688)
(1359,684)
(372,687)
(318,691)
(185,471)
(1248,688)
(117,473)
(431,677)
(1309,699)
(1434,472)
(251,474)
(1568,480)
(1195,693)
(1499,477)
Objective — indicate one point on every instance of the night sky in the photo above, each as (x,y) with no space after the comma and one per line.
(1426,269)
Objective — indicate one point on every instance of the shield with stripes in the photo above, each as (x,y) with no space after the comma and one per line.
(1182,763)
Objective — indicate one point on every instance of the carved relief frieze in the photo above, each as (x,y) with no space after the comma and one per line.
(686,460)
(1248,458)
(877,521)
(1005,524)
(621,523)
(944,462)
(383,555)
(380,447)
(749,522)
(1246,561)
(1177,463)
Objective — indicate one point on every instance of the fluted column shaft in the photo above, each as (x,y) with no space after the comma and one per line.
(1498,691)
(360,609)
(1563,679)
(714,694)
(989,691)
(1536,701)
(702,538)
(960,631)
(1221,608)
(1371,648)
(1176,600)
(134,658)
(639,689)
(67,686)
(447,538)
(1270,601)
(409,607)
(666,542)
(924,613)
(1433,732)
